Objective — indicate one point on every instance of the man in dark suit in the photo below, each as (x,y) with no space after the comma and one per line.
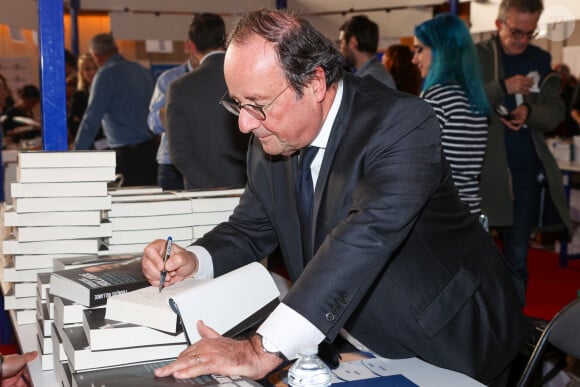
(205,145)
(395,258)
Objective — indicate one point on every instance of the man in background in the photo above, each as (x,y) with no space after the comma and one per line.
(168,176)
(359,40)
(518,165)
(119,99)
(205,145)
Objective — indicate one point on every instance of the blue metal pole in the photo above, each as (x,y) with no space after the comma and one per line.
(454,6)
(52,82)
(74,26)
(281,4)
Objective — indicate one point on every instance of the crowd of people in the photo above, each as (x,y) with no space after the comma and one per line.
(375,182)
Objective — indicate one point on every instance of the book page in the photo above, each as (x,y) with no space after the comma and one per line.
(227,300)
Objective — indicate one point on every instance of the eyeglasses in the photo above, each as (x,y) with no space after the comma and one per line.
(256,111)
(519,34)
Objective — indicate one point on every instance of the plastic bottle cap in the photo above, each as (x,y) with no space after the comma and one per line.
(309,351)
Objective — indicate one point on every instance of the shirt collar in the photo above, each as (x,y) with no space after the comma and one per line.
(188,66)
(321,139)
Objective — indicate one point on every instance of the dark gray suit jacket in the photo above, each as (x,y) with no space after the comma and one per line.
(204,140)
(399,261)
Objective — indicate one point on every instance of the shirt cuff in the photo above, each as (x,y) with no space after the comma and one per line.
(289,331)
(205,263)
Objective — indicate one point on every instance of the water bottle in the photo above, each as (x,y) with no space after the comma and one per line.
(309,370)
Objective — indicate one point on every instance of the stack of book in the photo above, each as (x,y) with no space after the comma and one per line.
(58,200)
(142,216)
(82,337)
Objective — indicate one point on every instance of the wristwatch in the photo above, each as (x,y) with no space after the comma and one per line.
(270,348)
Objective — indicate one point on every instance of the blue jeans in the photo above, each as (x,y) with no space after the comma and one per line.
(526,190)
(169,178)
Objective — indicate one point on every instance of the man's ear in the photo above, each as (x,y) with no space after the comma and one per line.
(498,24)
(317,85)
(353,43)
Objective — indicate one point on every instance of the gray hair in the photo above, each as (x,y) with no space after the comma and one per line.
(526,6)
(300,47)
(102,44)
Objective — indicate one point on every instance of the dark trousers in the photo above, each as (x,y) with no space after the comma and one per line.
(526,190)
(137,163)
(169,178)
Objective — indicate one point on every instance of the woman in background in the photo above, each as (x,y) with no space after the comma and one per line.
(448,61)
(398,60)
(87,69)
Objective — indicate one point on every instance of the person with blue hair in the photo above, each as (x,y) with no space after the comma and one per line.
(448,61)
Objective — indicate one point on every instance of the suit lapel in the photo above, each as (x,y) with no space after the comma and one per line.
(337,132)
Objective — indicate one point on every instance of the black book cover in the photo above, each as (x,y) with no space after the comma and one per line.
(142,375)
(92,285)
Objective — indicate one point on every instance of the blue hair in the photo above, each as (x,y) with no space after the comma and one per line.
(453,57)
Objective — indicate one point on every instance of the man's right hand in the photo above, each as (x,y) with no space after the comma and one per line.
(180,265)
(518,84)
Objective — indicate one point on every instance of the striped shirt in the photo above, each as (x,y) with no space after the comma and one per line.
(463,137)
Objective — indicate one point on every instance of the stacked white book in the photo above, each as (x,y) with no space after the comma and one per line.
(142,217)
(54,313)
(58,199)
(82,337)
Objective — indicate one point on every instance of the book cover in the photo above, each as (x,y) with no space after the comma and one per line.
(36,261)
(166,195)
(86,203)
(105,334)
(68,312)
(142,375)
(169,221)
(218,302)
(213,204)
(81,357)
(199,193)
(52,218)
(59,159)
(53,233)
(42,283)
(67,263)
(64,175)
(78,246)
(122,237)
(135,190)
(46,190)
(93,285)
(151,207)
(10,274)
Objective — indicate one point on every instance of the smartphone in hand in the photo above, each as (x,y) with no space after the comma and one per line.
(504,113)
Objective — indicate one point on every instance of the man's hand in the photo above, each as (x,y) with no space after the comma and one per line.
(14,370)
(180,265)
(214,354)
(520,115)
(518,84)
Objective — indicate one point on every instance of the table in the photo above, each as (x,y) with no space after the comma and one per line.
(567,168)
(416,370)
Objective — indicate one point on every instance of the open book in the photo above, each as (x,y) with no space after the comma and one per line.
(228,303)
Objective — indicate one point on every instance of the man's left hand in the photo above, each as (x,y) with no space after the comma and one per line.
(214,354)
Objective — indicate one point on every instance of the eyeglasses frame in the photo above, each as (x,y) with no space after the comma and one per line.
(256,111)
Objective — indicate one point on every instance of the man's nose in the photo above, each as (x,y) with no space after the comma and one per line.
(247,122)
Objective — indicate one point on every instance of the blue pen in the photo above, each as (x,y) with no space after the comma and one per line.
(165,258)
